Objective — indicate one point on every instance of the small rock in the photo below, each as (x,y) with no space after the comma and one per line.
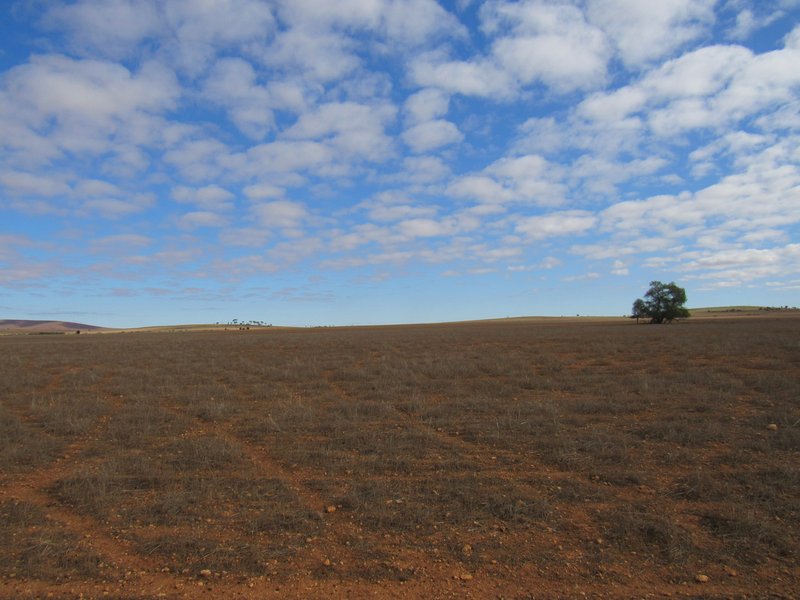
(465,577)
(772,427)
(466,550)
(205,573)
(327,562)
(731,572)
(330,509)
(701,578)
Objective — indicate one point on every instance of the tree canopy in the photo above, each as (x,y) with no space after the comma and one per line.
(663,303)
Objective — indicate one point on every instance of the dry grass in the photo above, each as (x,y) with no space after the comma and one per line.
(488,446)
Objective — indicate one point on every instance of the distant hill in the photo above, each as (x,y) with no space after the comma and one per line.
(28,326)
(743,311)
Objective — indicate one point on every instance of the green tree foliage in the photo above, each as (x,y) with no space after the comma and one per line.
(662,303)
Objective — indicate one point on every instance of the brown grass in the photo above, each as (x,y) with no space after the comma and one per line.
(528,454)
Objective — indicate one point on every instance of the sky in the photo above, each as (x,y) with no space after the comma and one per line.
(321,162)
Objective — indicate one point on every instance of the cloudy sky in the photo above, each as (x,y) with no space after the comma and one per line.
(370,161)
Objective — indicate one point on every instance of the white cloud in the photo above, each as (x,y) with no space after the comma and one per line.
(737,266)
(249,237)
(116,208)
(232,83)
(18,270)
(202,29)
(620,268)
(792,39)
(349,128)
(284,159)
(414,228)
(62,87)
(583,277)
(210,197)
(644,32)
(185,33)
(745,25)
(601,176)
(423,169)
(480,188)
(768,79)
(417,22)
(110,28)
(557,224)
(120,243)
(426,105)
(548,42)
(480,77)
(260,191)
(96,187)
(710,88)
(320,14)
(542,135)
(359,235)
(323,56)
(387,207)
(197,159)
(738,203)
(550,262)
(280,214)
(406,22)
(723,227)
(748,21)
(86,107)
(201,218)
(697,74)
(244,266)
(528,179)
(18,183)
(446,226)
(431,135)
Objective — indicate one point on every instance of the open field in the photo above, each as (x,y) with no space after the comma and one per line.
(504,459)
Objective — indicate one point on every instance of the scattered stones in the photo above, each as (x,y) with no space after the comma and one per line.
(772,427)
(701,578)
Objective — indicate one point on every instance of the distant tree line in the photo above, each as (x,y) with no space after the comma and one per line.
(243,323)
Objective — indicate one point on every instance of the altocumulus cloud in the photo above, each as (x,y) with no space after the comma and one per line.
(195,155)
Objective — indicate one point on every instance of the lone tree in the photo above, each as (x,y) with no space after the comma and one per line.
(662,303)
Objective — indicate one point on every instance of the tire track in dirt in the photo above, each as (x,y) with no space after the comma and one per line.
(33,488)
(57,379)
(335,523)
(476,451)
(578,523)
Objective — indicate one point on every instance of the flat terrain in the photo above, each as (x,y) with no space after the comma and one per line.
(505,459)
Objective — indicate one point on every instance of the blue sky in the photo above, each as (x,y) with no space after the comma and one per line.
(309,162)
